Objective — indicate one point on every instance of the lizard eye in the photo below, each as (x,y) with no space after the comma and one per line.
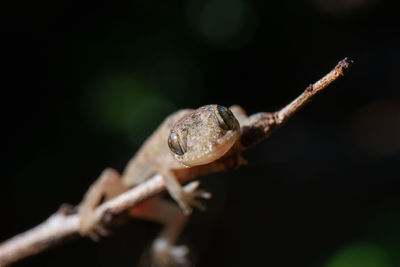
(174,144)
(225,118)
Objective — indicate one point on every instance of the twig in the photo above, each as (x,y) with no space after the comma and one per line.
(261,125)
(61,225)
(285,113)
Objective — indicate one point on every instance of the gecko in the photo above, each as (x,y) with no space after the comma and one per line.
(187,144)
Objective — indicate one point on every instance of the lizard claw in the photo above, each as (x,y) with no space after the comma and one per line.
(191,195)
(166,255)
(91,226)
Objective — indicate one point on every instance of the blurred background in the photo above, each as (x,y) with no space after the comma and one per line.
(84,83)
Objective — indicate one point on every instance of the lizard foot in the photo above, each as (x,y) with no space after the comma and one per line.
(91,226)
(190,197)
(166,255)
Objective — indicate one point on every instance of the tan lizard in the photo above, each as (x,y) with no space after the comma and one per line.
(187,144)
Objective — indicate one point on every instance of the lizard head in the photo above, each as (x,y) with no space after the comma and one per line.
(203,135)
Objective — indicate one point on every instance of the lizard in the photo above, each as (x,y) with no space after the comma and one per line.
(187,144)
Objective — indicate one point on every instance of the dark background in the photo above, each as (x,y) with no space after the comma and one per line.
(84,83)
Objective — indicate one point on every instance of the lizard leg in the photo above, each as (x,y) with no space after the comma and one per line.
(163,251)
(186,197)
(108,185)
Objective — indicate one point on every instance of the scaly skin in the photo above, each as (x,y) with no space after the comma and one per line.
(187,144)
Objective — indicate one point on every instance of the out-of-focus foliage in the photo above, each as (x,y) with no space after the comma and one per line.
(126,105)
(233,29)
(360,255)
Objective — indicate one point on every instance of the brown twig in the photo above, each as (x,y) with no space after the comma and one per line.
(261,125)
(61,225)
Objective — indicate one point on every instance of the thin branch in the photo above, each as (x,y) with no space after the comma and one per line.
(260,125)
(288,111)
(62,225)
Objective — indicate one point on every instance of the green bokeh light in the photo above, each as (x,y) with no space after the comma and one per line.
(127,105)
(361,254)
(223,22)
